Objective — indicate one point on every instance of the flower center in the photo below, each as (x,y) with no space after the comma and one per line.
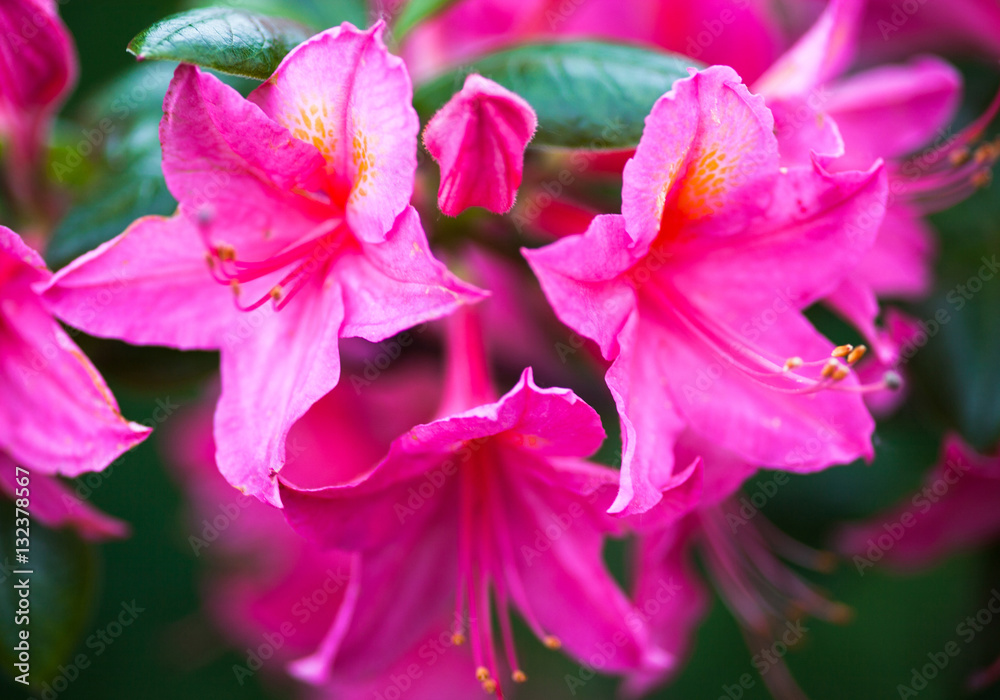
(485,571)
(281,276)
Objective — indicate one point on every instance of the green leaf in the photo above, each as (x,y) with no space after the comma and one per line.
(62,588)
(587,94)
(417,11)
(223,39)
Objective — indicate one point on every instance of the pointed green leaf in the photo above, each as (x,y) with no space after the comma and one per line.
(223,39)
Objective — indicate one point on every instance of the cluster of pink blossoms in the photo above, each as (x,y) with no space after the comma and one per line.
(429,502)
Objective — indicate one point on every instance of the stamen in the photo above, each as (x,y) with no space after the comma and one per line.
(552,642)
(842,351)
(856,354)
(518,676)
(482,675)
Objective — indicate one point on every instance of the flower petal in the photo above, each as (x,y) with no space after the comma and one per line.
(150,285)
(343,93)
(478,138)
(707,152)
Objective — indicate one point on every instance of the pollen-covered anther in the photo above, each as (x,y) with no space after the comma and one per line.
(490,686)
(518,676)
(235,286)
(842,351)
(482,674)
(834,370)
(225,252)
(458,639)
(856,354)
(960,156)
(275,293)
(986,154)
(552,642)
(982,178)
(792,363)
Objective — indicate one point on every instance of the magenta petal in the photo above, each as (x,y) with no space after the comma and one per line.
(822,53)
(150,285)
(38,66)
(286,361)
(343,93)
(397,284)
(900,262)
(478,138)
(891,111)
(707,152)
(580,277)
(227,162)
(54,505)
(57,415)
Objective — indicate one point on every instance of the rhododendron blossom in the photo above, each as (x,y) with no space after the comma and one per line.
(508,508)
(695,291)
(294,230)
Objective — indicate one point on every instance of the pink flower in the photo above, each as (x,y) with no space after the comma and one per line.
(496,498)
(887,112)
(269,590)
(57,416)
(479,138)
(298,197)
(37,69)
(695,291)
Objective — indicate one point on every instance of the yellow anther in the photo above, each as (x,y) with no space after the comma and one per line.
(276,293)
(856,354)
(458,639)
(842,351)
(490,686)
(519,676)
(792,363)
(482,674)
(830,368)
(225,252)
(552,642)
(959,157)
(235,286)
(840,374)
(982,178)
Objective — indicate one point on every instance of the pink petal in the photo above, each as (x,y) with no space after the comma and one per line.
(343,93)
(397,284)
(54,505)
(478,138)
(286,362)
(228,163)
(900,262)
(822,53)
(572,564)
(856,303)
(707,152)
(580,277)
(150,285)
(891,111)
(57,415)
(38,66)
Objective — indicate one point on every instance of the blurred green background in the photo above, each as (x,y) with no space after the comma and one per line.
(171,651)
